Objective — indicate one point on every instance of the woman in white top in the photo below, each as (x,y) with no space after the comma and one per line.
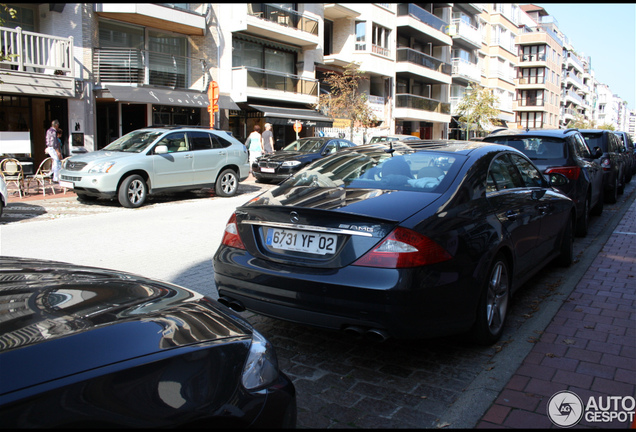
(254,144)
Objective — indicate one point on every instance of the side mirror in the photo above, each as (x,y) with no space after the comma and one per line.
(598,152)
(161,149)
(557,179)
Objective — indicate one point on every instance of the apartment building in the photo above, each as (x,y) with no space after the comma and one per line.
(537,102)
(465,29)
(499,26)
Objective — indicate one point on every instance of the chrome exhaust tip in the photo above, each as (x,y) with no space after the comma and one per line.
(353,331)
(377,335)
(232,304)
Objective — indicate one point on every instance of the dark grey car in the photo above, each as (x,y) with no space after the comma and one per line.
(628,143)
(612,160)
(565,152)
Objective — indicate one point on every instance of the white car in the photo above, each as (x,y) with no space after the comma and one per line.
(4,195)
(158,159)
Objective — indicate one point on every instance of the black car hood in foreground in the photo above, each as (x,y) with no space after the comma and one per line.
(56,308)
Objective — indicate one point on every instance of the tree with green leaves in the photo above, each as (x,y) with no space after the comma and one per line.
(580,122)
(477,107)
(345,100)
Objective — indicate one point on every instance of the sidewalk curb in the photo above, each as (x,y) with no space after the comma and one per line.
(470,407)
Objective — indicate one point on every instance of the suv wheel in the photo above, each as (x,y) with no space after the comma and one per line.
(227,183)
(612,196)
(132,191)
(583,222)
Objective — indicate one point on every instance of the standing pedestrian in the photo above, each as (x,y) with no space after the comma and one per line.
(268,139)
(254,144)
(53,149)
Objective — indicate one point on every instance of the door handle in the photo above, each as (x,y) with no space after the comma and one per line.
(543,209)
(512,215)
(188,156)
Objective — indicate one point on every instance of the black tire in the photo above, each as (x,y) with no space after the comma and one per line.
(583,222)
(566,255)
(597,210)
(612,196)
(493,304)
(227,183)
(133,191)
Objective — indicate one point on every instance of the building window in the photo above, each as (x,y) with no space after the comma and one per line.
(328,38)
(533,53)
(25,18)
(531,98)
(530,119)
(257,55)
(380,40)
(361,29)
(532,76)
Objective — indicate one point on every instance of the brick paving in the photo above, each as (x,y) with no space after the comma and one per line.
(589,348)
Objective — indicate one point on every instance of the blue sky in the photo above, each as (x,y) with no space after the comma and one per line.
(607,33)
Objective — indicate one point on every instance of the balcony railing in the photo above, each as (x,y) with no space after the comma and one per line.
(412,56)
(41,53)
(409,9)
(284,17)
(466,31)
(134,66)
(466,69)
(530,102)
(532,80)
(377,49)
(270,80)
(421,103)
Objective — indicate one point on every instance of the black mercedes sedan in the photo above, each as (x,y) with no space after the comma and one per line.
(89,347)
(276,167)
(404,239)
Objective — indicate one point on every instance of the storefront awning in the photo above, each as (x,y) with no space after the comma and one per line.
(289,116)
(159,96)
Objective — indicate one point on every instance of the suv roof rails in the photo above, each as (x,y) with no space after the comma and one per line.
(570,130)
(183,126)
(498,130)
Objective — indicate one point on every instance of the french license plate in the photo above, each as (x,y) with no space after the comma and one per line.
(68,185)
(301,241)
(267,170)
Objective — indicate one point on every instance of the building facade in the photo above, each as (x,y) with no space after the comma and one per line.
(104,69)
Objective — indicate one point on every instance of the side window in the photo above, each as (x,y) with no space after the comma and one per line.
(530,175)
(175,142)
(219,142)
(332,147)
(581,147)
(343,145)
(502,175)
(200,140)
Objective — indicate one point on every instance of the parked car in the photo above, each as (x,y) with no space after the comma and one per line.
(612,160)
(158,159)
(4,195)
(630,150)
(410,240)
(565,152)
(398,137)
(89,347)
(283,163)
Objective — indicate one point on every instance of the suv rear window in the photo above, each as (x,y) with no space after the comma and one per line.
(596,140)
(536,147)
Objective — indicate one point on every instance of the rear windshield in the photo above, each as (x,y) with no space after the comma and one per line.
(595,140)
(306,145)
(536,148)
(425,171)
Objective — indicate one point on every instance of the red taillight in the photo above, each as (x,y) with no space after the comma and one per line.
(231,236)
(404,248)
(571,173)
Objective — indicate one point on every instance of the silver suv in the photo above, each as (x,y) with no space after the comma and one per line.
(158,159)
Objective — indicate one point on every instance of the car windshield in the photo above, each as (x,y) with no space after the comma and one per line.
(536,148)
(306,145)
(376,168)
(133,142)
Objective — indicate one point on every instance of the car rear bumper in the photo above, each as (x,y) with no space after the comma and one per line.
(405,304)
